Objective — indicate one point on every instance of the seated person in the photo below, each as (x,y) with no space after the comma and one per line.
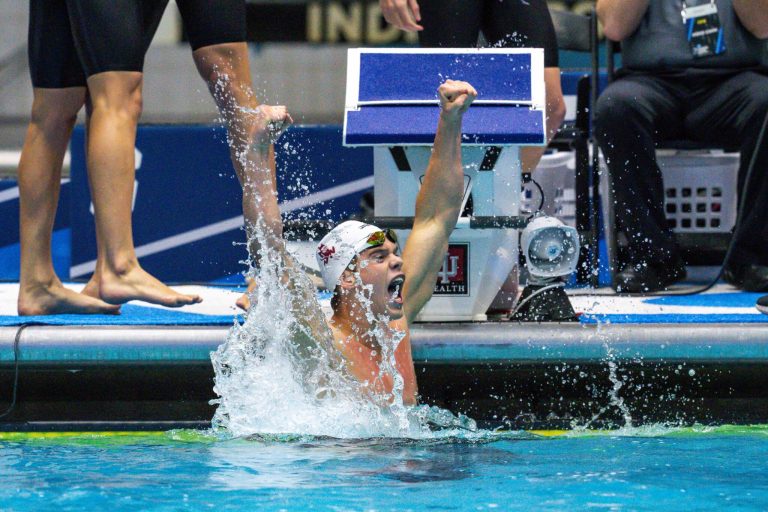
(378,292)
(713,90)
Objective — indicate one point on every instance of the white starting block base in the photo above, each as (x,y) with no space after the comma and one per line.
(392,105)
(478,260)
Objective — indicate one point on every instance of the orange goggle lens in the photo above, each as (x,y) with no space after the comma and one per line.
(379,237)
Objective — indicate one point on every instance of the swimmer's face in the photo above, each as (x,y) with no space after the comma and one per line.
(382,268)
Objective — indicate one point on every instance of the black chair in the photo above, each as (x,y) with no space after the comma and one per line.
(577,32)
(696,248)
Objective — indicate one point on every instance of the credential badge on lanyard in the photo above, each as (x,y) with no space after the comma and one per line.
(702,24)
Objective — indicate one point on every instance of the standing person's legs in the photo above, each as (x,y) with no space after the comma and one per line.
(217,36)
(40,291)
(225,69)
(529,24)
(59,94)
(111,37)
(555,114)
(151,14)
(631,115)
(735,110)
(450,23)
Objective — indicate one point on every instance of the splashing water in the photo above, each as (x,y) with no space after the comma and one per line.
(614,396)
(279,372)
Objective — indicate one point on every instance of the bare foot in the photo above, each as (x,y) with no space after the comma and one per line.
(244,302)
(137,284)
(54,299)
(92,287)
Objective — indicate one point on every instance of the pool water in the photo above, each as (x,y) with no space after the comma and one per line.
(642,469)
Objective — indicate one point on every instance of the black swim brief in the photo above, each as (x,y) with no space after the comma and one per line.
(70,40)
(209,22)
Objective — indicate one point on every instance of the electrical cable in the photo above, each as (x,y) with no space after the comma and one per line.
(16,343)
(528,178)
(541,194)
(560,284)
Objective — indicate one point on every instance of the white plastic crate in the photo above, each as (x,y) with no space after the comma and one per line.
(556,173)
(699,190)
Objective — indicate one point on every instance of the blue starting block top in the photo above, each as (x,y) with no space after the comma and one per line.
(392,95)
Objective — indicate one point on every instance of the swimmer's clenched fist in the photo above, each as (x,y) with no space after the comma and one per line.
(455,97)
(271,122)
(280,119)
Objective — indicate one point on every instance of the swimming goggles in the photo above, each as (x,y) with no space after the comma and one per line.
(379,237)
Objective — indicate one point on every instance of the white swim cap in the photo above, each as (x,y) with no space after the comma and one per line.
(339,247)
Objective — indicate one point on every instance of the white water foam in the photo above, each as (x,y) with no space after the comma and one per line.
(279,372)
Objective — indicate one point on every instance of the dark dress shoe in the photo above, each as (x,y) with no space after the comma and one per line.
(762,304)
(750,278)
(647,278)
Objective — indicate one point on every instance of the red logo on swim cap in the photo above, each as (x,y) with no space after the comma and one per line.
(326,252)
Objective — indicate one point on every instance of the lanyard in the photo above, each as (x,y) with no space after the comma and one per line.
(697,10)
(685,6)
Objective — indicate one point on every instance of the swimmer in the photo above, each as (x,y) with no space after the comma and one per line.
(377,290)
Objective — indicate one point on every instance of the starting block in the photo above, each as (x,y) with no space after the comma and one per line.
(392,105)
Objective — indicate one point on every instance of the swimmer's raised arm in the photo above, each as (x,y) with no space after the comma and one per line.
(253,150)
(439,200)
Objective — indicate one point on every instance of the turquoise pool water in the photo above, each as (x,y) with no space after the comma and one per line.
(643,469)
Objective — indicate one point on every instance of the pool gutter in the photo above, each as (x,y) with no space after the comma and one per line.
(446,343)
(528,376)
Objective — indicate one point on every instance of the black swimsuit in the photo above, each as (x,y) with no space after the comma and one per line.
(504,23)
(209,22)
(70,40)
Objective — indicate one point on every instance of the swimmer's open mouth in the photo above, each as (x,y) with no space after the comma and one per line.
(395,290)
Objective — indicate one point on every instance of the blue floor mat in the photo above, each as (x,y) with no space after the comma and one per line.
(710,300)
(131,314)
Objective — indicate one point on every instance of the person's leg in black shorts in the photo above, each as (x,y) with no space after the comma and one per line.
(59,93)
(505,24)
(632,115)
(217,35)
(111,37)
